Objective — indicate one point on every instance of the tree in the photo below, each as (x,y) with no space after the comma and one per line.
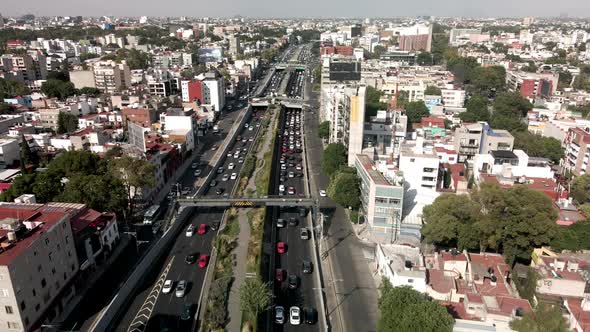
(432,90)
(373,103)
(402,99)
(487,81)
(61,75)
(530,67)
(453,221)
(378,50)
(416,110)
(335,156)
(536,145)
(136,175)
(565,79)
(574,238)
(404,309)
(517,220)
(447,178)
(344,188)
(425,59)
(99,192)
(509,110)
(477,110)
(89,91)
(9,88)
(545,318)
(70,163)
(324,130)
(580,190)
(66,123)
(21,185)
(47,186)
(255,297)
(58,89)
(527,287)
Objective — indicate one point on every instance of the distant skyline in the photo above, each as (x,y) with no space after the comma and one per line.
(300,8)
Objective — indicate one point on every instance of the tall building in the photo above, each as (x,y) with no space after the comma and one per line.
(532,85)
(213,90)
(577,151)
(110,76)
(21,66)
(357,123)
(234,45)
(191,90)
(416,38)
(37,263)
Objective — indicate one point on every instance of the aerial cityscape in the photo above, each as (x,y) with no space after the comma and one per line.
(267,167)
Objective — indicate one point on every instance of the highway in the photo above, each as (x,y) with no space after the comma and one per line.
(151,309)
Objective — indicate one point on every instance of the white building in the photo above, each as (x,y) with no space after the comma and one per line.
(9,151)
(110,76)
(453,98)
(213,90)
(401,265)
(511,165)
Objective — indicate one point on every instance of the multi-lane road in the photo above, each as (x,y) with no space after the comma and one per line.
(152,310)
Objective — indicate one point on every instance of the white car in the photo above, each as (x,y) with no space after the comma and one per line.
(323,193)
(233,176)
(294,316)
(181,289)
(167,286)
(282,188)
(230,166)
(190,231)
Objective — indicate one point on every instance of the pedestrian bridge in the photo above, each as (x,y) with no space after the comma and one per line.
(247,202)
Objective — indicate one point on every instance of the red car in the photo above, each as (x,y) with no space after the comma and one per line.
(203,260)
(281,247)
(280,275)
(202,229)
(291,191)
(284,150)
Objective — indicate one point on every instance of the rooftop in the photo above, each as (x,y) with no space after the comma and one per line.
(373,173)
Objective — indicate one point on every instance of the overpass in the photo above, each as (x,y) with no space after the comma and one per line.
(247,202)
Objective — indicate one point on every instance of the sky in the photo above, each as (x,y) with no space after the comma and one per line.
(298,8)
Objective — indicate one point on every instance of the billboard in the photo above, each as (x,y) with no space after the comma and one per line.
(214,54)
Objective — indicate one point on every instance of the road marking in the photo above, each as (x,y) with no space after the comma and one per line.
(141,319)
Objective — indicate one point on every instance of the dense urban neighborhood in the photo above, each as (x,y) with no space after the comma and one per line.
(263,174)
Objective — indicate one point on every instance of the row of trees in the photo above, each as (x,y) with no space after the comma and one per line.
(344,183)
(110,184)
(511,221)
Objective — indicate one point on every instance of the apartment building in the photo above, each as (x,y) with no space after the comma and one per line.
(139,114)
(9,152)
(344,108)
(213,90)
(381,199)
(20,66)
(577,151)
(479,138)
(511,166)
(111,76)
(37,262)
(384,133)
(532,85)
(191,91)
(453,98)
(172,59)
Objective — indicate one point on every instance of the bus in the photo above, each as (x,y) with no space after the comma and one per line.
(151,214)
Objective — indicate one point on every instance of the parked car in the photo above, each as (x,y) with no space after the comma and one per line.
(310,315)
(186,312)
(280,223)
(304,233)
(323,193)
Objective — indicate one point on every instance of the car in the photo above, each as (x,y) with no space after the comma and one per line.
(198,172)
(251,139)
(186,312)
(294,316)
(310,315)
(323,193)
(283,167)
(168,285)
(279,315)
(194,165)
(190,230)
(281,247)
(280,223)
(280,275)
(298,167)
(225,177)
(291,174)
(282,179)
(229,153)
(241,160)
(293,281)
(304,233)
(282,161)
(220,170)
(293,221)
(233,176)
(225,195)
(230,166)
(251,128)
(213,183)
(180,288)
(202,229)
(203,260)
(214,147)
(306,267)
(281,188)
(190,259)
(219,191)
(291,191)
(302,212)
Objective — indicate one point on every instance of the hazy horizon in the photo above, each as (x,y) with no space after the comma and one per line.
(302,8)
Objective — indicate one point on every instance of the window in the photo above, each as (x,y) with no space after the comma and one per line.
(410,281)
(13,325)
(43,283)
(8,309)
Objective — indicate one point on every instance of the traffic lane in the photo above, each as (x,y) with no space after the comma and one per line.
(168,305)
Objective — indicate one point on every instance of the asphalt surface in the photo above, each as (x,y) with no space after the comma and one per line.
(160,310)
(297,249)
(352,283)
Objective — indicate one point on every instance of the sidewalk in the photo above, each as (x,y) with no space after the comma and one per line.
(241,253)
